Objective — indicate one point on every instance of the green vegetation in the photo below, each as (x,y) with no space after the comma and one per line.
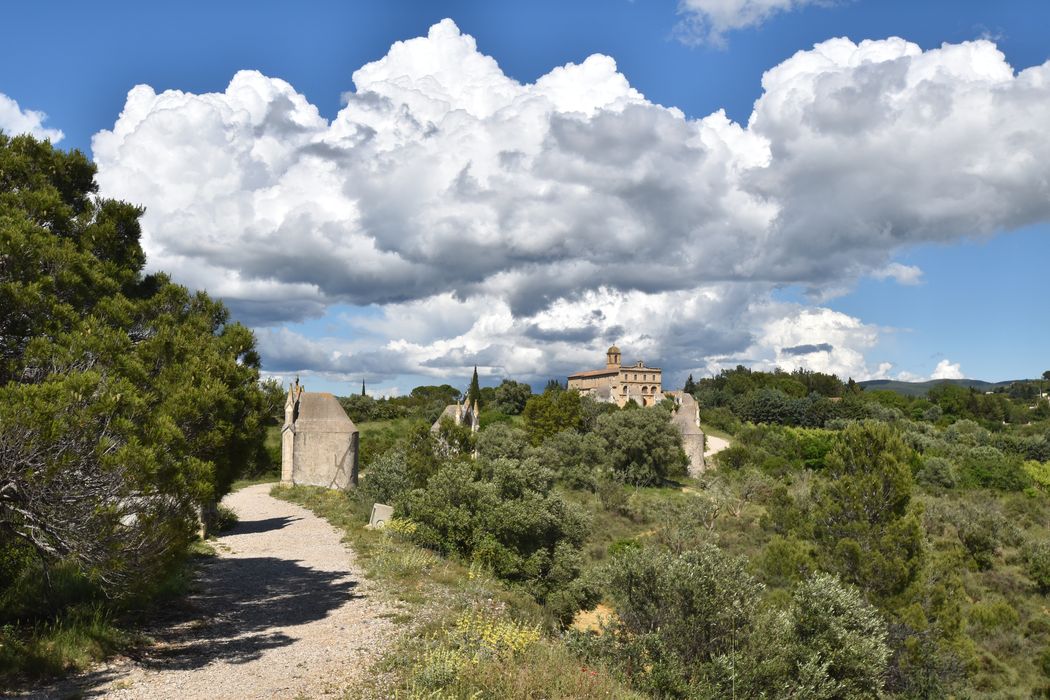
(127,405)
(470,635)
(850,543)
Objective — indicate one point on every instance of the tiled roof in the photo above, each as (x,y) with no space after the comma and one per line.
(595,373)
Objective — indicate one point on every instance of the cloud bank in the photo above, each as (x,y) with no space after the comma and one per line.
(14,121)
(523,227)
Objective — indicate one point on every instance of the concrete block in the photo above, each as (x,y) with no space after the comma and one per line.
(381,514)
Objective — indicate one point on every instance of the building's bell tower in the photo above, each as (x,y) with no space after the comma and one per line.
(612,360)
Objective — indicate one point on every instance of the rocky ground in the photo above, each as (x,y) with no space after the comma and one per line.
(281,612)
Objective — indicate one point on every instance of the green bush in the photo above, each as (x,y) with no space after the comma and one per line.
(504,515)
(721,418)
(690,625)
(982,530)
(1037,565)
(684,611)
(992,616)
(502,440)
(551,412)
(225,518)
(388,478)
(578,460)
(938,471)
(644,448)
(987,467)
(1044,662)
(736,457)
(786,560)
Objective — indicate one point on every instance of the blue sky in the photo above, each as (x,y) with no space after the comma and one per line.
(977,308)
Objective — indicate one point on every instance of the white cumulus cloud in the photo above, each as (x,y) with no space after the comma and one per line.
(708,21)
(523,226)
(946,369)
(14,121)
(902,274)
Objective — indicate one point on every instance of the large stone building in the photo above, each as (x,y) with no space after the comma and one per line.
(319,442)
(618,383)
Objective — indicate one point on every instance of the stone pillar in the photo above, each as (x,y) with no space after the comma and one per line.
(287,454)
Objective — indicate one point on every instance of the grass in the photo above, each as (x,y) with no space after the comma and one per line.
(716,432)
(267,478)
(272,445)
(466,635)
(47,633)
(378,436)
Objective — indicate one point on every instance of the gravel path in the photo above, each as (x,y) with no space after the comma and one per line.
(715,445)
(282,612)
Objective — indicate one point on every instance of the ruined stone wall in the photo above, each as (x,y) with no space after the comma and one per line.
(687,420)
(325,459)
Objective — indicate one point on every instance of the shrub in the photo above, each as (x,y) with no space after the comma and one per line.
(502,440)
(697,603)
(225,518)
(1037,565)
(786,560)
(987,467)
(869,473)
(938,471)
(388,477)
(613,497)
(736,457)
(721,418)
(988,617)
(502,514)
(578,460)
(1039,472)
(644,448)
(1044,662)
(827,643)
(550,413)
(981,530)
(814,446)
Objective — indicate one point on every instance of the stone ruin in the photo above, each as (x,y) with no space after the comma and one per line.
(461,413)
(319,442)
(687,419)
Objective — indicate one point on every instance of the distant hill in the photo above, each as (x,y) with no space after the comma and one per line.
(920,388)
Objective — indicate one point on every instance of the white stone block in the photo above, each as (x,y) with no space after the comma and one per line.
(381,515)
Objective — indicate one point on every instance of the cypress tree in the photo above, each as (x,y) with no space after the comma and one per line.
(690,385)
(474,392)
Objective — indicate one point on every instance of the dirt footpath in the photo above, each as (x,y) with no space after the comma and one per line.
(714,446)
(282,612)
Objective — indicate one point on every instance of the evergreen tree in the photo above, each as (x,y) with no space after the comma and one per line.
(864,523)
(690,385)
(127,402)
(363,387)
(474,392)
